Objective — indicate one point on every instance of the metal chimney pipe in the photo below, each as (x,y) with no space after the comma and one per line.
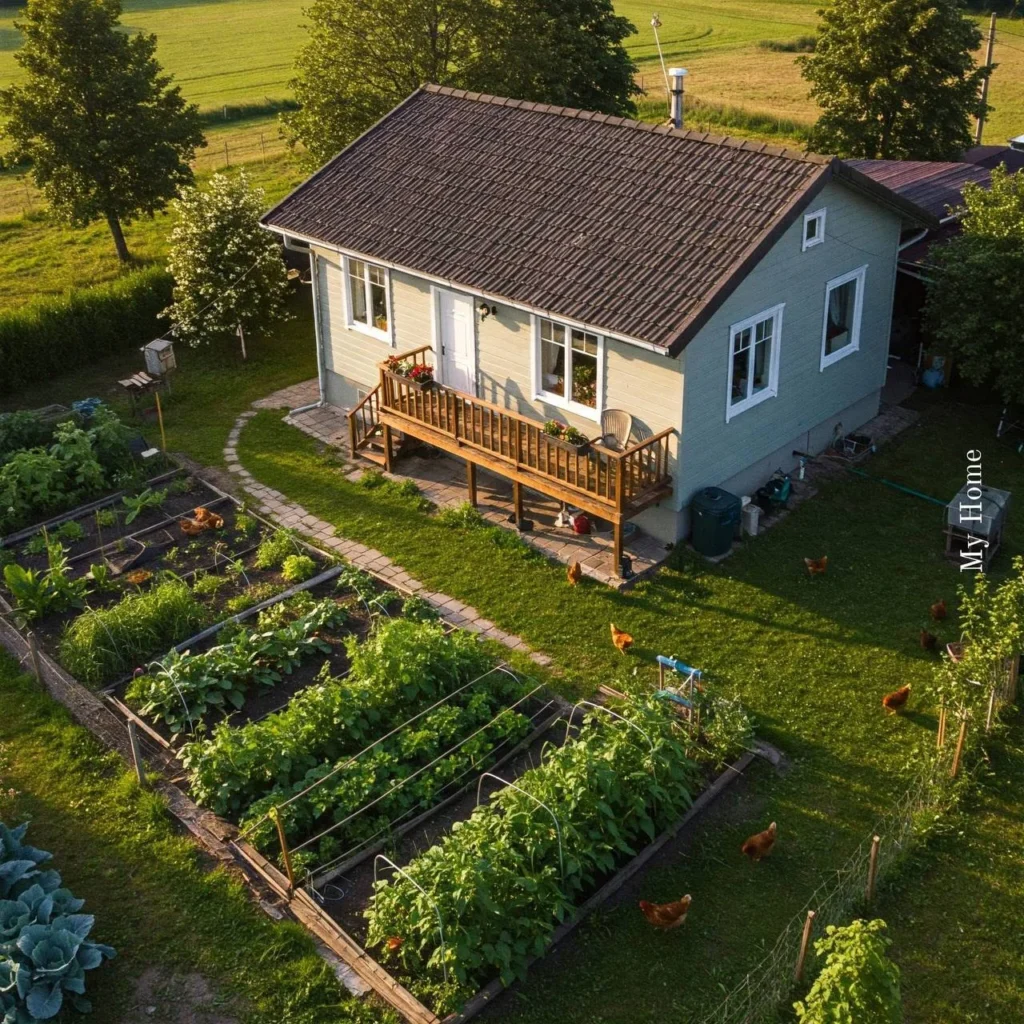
(677,75)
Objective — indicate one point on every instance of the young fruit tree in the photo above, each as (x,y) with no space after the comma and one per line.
(859,984)
(363,58)
(107,135)
(976,286)
(895,81)
(229,278)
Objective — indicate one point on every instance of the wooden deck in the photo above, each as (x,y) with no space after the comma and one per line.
(609,484)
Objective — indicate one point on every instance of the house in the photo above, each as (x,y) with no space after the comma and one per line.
(733,297)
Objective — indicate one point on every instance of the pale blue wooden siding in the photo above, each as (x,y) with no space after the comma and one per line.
(809,400)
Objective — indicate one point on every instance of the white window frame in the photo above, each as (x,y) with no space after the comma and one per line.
(387,336)
(819,216)
(540,395)
(853,345)
(732,408)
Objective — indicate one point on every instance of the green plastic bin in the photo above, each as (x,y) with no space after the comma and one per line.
(714,516)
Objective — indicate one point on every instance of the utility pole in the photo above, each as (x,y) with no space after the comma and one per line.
(984,85)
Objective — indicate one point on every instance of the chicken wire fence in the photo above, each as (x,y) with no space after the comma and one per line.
(757,998)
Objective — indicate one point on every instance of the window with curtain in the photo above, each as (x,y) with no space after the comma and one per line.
(844,298)
(568,361)
(368,296)
(754,360)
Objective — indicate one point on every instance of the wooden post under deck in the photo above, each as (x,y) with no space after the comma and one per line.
(517,501)
(471,481)
(617,550)
(386,437)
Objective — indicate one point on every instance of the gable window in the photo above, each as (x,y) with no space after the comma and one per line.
(754,360)
(844,301)
(368,298)
(568,364)
(814,229)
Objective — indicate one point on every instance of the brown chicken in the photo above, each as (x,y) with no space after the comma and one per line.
(816,566)
(191,528)
(667,915)
(621,639)
(938,610)
(760,845)
(573,573)
(210,520)
(897,700)
(137,576)
(929,641)
(395,942)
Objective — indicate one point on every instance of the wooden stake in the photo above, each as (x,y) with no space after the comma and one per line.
(869,892)
(991,713)
(940,739)
(959,747)
(160,420)
(241,338)
(263,147)
(227,159)
(133,739)
(33,651)
(805,940)
(285,854)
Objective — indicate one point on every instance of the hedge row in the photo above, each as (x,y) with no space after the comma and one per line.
(49,336)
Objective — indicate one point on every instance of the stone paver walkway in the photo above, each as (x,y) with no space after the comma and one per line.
(274,504)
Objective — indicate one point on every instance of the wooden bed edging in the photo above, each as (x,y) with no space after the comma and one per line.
(489,992)
(335,938)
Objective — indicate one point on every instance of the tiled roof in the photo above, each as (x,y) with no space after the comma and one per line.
(635,229)
(930,184)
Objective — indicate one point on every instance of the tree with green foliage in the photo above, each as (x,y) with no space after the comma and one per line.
(859,984)
(229,278)
(976,286)
(895,80)
(365,56)
(566,52)
(106,133)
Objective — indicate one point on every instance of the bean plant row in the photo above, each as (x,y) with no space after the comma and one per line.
(503,879)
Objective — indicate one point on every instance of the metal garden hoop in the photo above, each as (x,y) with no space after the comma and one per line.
(614,714)
(412,881)
(518,789)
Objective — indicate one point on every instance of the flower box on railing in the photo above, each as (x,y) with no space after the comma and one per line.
(418,376)
(569,438)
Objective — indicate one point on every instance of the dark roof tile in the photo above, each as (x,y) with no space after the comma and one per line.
(638,230)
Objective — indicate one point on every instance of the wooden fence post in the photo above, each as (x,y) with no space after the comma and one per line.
(959,747)
(869,892)
(285,853)
(133,739)
(805,940)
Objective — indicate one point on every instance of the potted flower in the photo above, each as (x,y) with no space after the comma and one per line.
(419,375)
(567,437)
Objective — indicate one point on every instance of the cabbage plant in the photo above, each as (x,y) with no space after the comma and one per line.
(45,948)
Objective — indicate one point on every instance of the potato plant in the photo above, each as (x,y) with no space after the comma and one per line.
(498,879)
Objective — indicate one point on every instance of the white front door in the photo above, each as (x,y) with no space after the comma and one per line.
(456,337)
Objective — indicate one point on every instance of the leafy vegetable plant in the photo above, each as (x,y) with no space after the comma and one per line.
(186,687)
(298,568)
(136,504)
(44,945)
(273,550)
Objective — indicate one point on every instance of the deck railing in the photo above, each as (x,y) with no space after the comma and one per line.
(617,480)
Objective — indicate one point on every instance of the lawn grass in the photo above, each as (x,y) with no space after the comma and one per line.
(211,386)
(39,257)
(955,915)
(154,897)
(809,657)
